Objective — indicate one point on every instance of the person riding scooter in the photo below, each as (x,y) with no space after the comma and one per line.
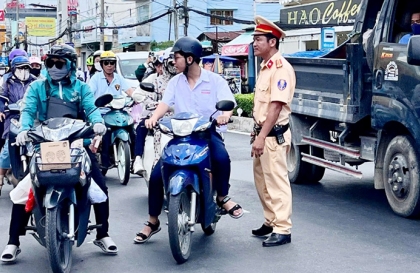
(151,99)
(195,90)
(61,85)
(108,82)
(13,90)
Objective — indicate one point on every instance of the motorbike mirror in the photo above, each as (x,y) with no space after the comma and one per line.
(103,100)
(148,87)
(225,105)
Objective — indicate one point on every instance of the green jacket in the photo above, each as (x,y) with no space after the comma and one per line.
(35,100)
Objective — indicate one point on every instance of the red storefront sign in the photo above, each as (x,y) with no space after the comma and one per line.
(1,15)
(235,50)
(72,6)
(13,4)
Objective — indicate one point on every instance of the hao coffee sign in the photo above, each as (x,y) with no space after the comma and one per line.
(340,12)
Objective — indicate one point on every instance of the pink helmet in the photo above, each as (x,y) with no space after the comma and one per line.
(35,59)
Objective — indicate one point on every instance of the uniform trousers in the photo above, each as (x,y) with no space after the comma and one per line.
(272,184)
(220,169)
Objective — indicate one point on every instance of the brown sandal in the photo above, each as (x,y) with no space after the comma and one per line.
(155,229)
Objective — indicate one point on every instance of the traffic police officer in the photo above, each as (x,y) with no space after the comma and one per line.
(271,136)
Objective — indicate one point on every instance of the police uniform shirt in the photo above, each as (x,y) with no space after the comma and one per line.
(100,86)
(276,82)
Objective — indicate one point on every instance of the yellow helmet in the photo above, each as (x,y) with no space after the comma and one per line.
(108,56)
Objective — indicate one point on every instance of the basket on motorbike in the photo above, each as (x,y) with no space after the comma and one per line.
(59,174)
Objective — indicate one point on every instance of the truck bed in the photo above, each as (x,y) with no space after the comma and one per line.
(335,89)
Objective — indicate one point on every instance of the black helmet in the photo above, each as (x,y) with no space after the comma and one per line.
(63,51)
(188,46)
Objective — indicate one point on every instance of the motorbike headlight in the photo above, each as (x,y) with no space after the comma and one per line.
(164,128)
(183,127)
(203,127)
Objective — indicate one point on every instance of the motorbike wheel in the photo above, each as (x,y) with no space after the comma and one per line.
(59,247)
(124,161)
(210,229)
(178,227)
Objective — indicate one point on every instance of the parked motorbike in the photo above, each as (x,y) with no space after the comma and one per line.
(187,177)
(120,123)
(62,207)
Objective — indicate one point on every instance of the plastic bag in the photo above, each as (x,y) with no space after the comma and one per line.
(20,194)
(31,201)
(136,112)
(95,193)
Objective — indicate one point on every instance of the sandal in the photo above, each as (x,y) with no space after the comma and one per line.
(232,210)
(10,253)
(155,229)
(107,245)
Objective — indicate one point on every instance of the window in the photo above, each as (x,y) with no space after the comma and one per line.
(223,13)
(143,13)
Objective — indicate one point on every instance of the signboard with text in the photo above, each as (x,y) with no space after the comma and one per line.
(339,13)
(41,26)
(13,4)
(1,15)
(72,6)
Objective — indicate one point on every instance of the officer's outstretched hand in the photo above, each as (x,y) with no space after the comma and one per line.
(150,123)
(99,129)
(258,147)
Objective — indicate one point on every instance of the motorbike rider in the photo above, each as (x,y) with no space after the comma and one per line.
(12,91)
(108,82)
(3,69)
(89,65)
(194,90)
(14,53)
(60,83)
(96,63)
(165,71)
(36,66)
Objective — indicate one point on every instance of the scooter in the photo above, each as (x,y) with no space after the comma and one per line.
(187,177)
(120,123)
(62,207)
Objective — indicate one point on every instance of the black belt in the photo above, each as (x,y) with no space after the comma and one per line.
(277,129)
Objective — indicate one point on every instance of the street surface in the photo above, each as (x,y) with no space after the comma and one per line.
(340,225)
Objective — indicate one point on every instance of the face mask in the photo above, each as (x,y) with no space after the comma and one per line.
(22,74)
(35,71)
(98,66)
(58,74)
(416,29)
(2,72)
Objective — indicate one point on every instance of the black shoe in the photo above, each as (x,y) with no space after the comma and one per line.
(277,239)
(262,231)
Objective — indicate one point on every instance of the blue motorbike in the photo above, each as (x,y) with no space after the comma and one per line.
(187,177)
(119,121)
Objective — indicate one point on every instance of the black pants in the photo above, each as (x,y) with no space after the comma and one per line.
(141,134)
(107,145)
(20,217)
(220,166)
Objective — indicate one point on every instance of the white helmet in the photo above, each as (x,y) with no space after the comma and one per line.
(168,61)
(35,60)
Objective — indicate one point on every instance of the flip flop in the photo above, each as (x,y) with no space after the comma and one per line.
(107,245)
(10,253)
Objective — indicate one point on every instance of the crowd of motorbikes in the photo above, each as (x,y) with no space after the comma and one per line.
(61,194)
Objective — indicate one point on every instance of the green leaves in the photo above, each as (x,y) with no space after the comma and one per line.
(246,103)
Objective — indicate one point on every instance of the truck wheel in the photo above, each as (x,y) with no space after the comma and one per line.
(301,172)
(401,176)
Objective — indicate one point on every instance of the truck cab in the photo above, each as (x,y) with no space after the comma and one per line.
(361,103)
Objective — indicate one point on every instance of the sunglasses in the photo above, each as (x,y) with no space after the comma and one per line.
(58,64)
(109,62)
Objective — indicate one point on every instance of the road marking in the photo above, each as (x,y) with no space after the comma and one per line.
(238,132)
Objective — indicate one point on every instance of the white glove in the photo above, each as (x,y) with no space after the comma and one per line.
(99,129)
(22,138)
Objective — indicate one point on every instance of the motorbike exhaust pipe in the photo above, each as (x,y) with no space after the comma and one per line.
(192,210)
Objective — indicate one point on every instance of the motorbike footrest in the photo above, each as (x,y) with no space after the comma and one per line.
(92,227)
(31,228)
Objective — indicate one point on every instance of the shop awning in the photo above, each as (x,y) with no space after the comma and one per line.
(238,46)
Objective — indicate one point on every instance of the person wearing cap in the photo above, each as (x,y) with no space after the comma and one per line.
(12,91)
(36,66)
(271,136)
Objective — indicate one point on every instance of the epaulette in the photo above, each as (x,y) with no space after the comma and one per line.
(279,63)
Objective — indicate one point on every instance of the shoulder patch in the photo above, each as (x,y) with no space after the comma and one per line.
(279,63)
(281,85)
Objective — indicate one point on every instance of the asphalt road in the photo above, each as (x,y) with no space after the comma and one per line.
(340,225)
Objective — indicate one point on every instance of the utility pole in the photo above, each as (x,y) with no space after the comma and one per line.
(170,24)
(217,41)
(186,18)
(70,25)
(175,21)
(17,24)
(255,8)
(102,41)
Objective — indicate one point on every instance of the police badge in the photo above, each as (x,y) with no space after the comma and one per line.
(117,87)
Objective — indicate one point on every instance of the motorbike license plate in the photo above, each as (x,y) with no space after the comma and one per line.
(55,155)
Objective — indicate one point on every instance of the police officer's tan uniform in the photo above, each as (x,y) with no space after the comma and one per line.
(276,82)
